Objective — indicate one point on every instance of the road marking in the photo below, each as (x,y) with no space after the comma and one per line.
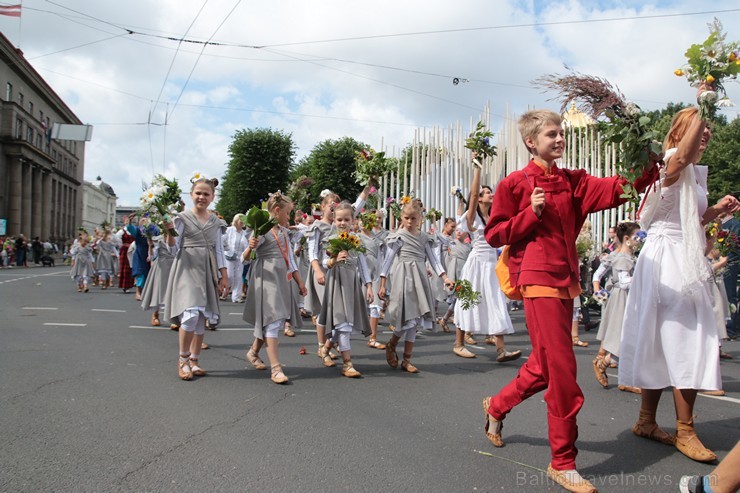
(718,397)
(307,330)
(221,330)
(107,310)
(148,327)
(65,325)
(39,308)
(238,313)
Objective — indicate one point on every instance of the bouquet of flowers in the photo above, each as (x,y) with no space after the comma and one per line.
(369,220)
(433,215)
(625,125)
(465,294)
(258,221)
(727,242)
(600,297)
(344,242)
(456,191)
(161,200)
(639,238)
(370,165)
(712,229)
(148,228)
(480,143)
(709,63)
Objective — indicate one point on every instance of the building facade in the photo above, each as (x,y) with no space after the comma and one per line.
(98,205)
(40,178)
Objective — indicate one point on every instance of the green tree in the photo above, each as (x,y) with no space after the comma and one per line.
(723,158)
(331,164)
(260,163)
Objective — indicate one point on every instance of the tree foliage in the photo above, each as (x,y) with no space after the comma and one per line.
(261,160)
(330,165)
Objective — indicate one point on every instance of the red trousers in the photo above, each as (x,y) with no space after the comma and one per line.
(549,323)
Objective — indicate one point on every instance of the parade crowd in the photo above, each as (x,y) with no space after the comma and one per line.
(667,291)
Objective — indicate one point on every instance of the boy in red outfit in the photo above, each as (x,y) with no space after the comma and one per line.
(538,212)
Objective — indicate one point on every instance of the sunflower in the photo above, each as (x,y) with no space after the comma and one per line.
(343,235)
(405,199)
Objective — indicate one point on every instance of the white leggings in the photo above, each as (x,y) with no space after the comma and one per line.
(410,333)
(341,339)
(272,330)
(194,324)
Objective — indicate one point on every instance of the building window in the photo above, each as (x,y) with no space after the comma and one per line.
(29,134)
(19,129)
(9,92)
(20,99)
(38,140)
(30,108)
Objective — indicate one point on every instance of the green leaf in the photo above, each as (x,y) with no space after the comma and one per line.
(644,120)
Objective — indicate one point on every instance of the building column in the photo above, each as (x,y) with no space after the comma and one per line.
(36,199)
(45,206)
(15,178)
(27,201)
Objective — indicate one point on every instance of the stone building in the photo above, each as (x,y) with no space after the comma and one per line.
(98,204)
(40,177)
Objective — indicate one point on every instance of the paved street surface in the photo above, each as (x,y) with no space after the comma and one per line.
(92,402)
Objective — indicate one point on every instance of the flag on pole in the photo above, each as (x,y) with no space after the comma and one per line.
(10,10)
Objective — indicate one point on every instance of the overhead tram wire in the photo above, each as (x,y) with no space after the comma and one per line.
(414,91)
(491,28)
(164,84)
(201,54)
(438,31)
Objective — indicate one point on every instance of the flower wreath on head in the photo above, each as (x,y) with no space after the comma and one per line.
(325,192)
(197,176)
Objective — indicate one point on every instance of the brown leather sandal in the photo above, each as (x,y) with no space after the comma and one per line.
(255,360)
(407,366)
(578,342)
(495,437)
(443,324)
(325,358)
(646,427)
(373,343)
(277,375)
(600,366)
(685,434)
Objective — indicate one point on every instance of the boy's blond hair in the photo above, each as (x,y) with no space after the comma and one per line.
(531,122)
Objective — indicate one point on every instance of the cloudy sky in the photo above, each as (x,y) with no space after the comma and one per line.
(332,68)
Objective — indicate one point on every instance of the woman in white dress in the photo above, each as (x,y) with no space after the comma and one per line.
(235,242)
(669,335)
(491,316)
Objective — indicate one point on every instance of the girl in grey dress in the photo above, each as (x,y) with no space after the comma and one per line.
(155,286)
(344,308)
(84,263)
(619,265)
(316,234)
(411,305)
(107,258)
(198,275)
(270,304)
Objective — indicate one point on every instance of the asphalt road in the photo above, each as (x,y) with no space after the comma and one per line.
(91,401)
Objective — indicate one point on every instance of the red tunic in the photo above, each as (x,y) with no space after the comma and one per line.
(543,249)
